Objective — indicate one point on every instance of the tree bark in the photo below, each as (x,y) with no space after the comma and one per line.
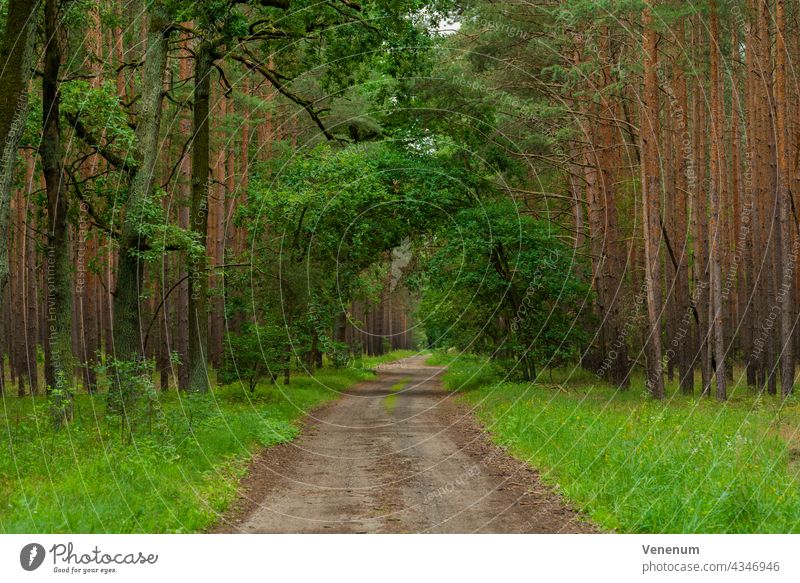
(681,242)
(58,282)
(128,333)
(651,195)
(700,224)
(787,259)
(742,212)
(198,272)
(16,56)
(714,223)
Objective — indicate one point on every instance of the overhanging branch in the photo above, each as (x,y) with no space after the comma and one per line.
(273,77)
(93,141)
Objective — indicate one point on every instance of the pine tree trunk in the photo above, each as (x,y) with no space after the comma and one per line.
(15,288)
(16,55)
(30,283)
(742,217)
(762,80)
(700,225)
(614,261)
(651,195)
(198,273)
(714,225)
(681,240)
(754,358)
(787,258)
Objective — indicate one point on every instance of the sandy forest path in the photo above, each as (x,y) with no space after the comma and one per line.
(395,454)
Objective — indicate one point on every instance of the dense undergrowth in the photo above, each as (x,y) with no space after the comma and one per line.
(179,471)
(632,464)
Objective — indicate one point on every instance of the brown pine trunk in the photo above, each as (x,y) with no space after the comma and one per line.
(752,192)
(184,187)
(742,215)
(230,193)
(786,255)
(715,202)
(264,131)
(198,272)
(651,205)
(15,288)
(87,285)
(668,231)
(614,264)
(244,182)
(16,55)
(765,200)
(608,260)
(30,284)
(700,223)
(217,198)
(683,339)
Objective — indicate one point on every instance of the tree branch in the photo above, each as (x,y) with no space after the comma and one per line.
(93,141)
(274,79)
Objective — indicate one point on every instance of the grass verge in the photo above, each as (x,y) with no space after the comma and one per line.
(389,401)
(176,476)
(686,465)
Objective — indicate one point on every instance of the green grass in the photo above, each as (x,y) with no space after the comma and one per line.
(441,358)
(686,465)
(389,401)
(175,477)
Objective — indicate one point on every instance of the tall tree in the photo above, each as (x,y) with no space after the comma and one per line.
(681,229)
(700,212)
(787,258)
(128,332)
(651,203)
(605,208)
(16,57)
(717,236)
(60,365)
(198,272)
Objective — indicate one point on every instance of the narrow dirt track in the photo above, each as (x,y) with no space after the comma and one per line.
(395,455)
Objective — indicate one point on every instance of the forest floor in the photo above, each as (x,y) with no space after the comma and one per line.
(395,454)
(688,464)
(177,471)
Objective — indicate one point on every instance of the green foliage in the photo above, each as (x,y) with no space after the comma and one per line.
(323,228)
(162,235)
(337,47)
(131,395)
(176,479)
(503,284)
(61,397)
(349,205)
(634,465)
(253,353)
(338,353)
(100,111)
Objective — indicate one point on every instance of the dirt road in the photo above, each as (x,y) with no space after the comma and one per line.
(395,455)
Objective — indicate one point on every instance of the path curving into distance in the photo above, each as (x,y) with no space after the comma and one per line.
(395,454)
